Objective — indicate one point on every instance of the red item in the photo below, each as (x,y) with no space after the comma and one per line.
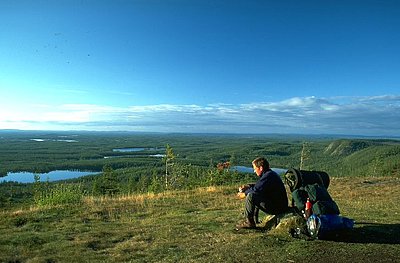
(308,211)
(308,204)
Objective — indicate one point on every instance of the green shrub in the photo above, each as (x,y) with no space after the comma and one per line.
(60,194)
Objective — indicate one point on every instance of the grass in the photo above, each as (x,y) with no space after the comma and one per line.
(198,225)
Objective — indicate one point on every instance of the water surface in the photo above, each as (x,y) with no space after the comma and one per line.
(27,177)
(245,169)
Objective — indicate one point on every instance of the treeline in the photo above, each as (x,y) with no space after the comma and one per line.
(47,151)
(21,151)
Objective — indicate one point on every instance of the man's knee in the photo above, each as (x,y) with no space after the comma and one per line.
(250,197)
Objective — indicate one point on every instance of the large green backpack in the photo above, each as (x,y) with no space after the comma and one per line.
(323,203)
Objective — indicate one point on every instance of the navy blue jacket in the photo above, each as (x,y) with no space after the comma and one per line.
(271,189)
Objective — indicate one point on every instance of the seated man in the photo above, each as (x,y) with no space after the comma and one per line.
(267,194)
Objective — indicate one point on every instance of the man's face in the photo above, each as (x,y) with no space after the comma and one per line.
(257,170)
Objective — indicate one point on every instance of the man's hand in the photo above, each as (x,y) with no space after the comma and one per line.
(243,188)
(241,195)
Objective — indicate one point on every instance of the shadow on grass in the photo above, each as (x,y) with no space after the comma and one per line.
(365,232)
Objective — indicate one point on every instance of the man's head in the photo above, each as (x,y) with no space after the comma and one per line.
(260,165)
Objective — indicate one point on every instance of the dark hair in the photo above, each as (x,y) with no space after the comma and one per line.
(261,162)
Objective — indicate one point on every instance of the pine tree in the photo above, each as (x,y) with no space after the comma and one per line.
(305,154)
(107,183)
(168,158)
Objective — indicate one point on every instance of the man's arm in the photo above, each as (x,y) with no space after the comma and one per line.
(260,185)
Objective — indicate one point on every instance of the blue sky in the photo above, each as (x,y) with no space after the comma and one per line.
(201,66)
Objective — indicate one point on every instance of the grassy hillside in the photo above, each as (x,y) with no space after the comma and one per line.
(198,226)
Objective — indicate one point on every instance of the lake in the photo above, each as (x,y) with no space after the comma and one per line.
(57,175)
(133,156)
(137,149)
(27,177)
(245,169)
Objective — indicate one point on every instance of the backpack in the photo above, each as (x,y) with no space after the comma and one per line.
(323,203)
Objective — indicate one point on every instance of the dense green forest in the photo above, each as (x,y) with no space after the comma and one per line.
(194,160)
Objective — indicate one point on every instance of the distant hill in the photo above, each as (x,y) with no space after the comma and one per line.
(346,147)
(361,157)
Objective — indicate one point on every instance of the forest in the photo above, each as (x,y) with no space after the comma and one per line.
(177,161)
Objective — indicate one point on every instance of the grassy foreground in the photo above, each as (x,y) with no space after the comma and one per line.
(198,226)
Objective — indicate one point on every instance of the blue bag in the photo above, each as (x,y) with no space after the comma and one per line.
(320,226)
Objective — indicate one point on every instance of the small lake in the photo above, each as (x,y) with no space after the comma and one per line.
(27,177)
(137,149)
(135,156)
(53,140)
(245,169)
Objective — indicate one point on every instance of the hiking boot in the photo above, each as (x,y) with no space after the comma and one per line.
(248,224)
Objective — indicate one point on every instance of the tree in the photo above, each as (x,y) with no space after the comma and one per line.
(168,158)
(155,183)
(376,166)
(37,188)
(107,183)
(305,154)
(143,183)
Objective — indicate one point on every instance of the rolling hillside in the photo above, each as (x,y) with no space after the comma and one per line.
(198,225)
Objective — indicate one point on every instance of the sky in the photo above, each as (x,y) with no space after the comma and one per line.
(287,66)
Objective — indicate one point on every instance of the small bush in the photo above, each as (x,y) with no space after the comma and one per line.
(60,194)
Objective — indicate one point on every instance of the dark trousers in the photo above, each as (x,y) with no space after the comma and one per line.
(254,202)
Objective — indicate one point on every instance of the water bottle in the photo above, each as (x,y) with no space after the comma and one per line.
(308,211)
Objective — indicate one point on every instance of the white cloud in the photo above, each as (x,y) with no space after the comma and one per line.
(348,115)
